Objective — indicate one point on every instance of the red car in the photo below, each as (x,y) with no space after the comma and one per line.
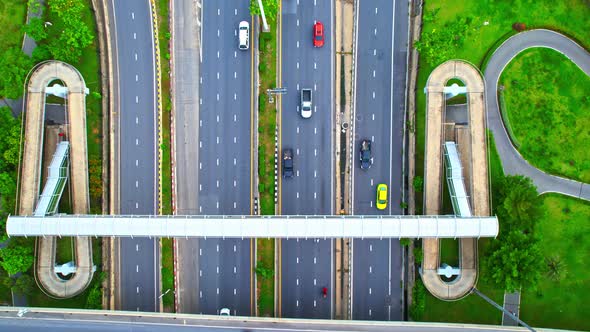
(318,34)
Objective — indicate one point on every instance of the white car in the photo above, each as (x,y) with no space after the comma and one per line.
(224,312)
(244,35)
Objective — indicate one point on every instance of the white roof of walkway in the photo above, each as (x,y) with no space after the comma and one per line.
(255,226)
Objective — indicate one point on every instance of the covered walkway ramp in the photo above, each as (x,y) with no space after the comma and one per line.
(255,226)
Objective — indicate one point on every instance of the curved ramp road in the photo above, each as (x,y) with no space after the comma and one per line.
(135,114)
(512,161)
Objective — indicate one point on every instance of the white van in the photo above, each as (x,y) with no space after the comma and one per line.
(244,35)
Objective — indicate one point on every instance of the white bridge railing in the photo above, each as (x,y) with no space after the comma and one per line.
(255,226)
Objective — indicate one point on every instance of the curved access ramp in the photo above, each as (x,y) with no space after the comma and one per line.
(476,171)
(30,177)
(512,161)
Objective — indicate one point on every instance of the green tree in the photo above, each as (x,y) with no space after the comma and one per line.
(36,29)
(520,205)
(68,34)
(515,262)
(16,258)
(24,285)
(15,65)
(94,299)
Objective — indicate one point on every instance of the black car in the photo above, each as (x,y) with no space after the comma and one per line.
(365,154)
(287,163)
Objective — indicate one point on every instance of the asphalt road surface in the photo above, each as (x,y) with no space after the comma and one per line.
(379,103)
(307,265)
(214,172)
(512,161)
(134,63)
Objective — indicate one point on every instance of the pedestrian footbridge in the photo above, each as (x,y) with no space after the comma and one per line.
(255,226)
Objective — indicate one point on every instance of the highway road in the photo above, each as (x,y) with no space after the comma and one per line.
(307,265)
(136,110)
(512,161)
(379,103)
(214,173)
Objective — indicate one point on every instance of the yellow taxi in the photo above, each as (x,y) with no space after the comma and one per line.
(381,196)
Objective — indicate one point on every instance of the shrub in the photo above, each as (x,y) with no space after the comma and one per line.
(418,254)
(418,183)
(418,301)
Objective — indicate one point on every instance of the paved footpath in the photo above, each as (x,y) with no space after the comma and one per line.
(512,304)
(512,161)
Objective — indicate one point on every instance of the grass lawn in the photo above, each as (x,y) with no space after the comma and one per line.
(13,15)
(168,274)
(265,248)
(64,250)
(163,39)
(569,17)
(564,233)
(549,115)
(266,291)
(267,121)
